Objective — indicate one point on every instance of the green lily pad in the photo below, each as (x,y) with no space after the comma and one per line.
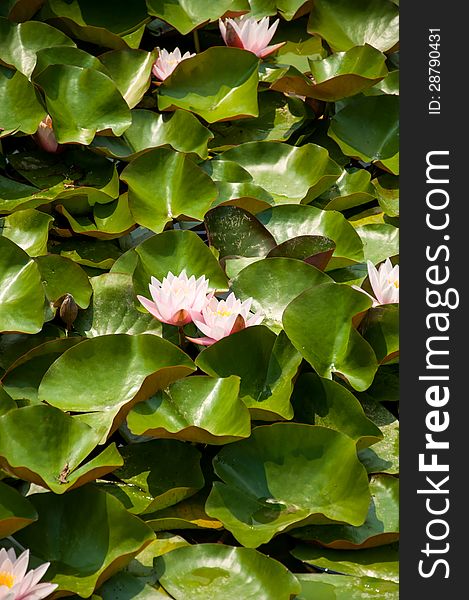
(246,195)
(234,231)
(279,117)
(164,472)
(29,229)
(387,189)
(20,10)
(380,241)
(266,365)
(24,375)
(196,409)
(174,251)
(381,562)
(385,386)
(344,25)
(76,115)
(186,15)
(21,106)
(53,457)
(382,457)
(123,586)
(164,184)
(114,309)
(109,220)
(111,373)
(289,173)
(348,73)
(15,345)
(6,401)
(273,283)
(350,190)
(62,276)
(86,534)
(188,514)
(338,587)
(179,130)
(299,47)
(287,474)
(323,402)
(19,43)
(111,23)
(381,330)
(16,511)
(287,222)
(200,572)
(217,84)
(22,295)
(380,140)
(131,72)
(65,55)
(380,528)
(315,250)
(327,338)
(98,254)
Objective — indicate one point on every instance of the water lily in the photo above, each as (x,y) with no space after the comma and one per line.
(384,282)
(220,318)
(45,135)
(177,299)
(166,62)
(16,583)
(250,34)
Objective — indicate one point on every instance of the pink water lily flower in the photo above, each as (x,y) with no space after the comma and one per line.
(16,583)
(223,317)
(384,282)
(166,62)
(248,33)
(176,300)
(45,136)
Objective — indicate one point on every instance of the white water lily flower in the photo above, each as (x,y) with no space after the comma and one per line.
(45,135)
(248,33)
(220,318)
(166,62)
(384,282)
(16,583)
(177,299)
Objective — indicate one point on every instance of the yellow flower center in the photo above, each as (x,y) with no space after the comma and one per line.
(224,313)
(394,282)
(7,579)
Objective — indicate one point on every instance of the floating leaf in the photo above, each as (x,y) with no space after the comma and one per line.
(164,184)
(273,283)
(19,43)
(186,15)
(234,231)
(289,173)
(21,292)
(111,373)
(326,338)
(113,24)
(348,73)
(350,190)
(98,254)
(62,276)
(29,229)
(188,514)
(380,528)
(174,251)
(344,25)
(199,572)
(380,140)
(65,55)
(266,365)
(380,241)
(381,331)
(323,402)
(76,114)
(164,472)
(20,10)
(387,189)
(131,72)
(179,130)
(114,309)
(285,474)
(197,409)
(381,562)
(315,250)
(16,511)
(218,84)
(86,534)
(382,457)
(21,108)
(287,222)
(337,587)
